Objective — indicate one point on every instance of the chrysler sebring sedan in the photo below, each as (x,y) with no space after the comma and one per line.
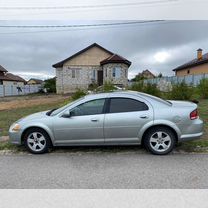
(117,118)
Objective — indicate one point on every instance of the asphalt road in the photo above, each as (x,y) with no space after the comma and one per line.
(104,169)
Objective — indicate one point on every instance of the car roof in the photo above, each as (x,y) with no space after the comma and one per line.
(141,95)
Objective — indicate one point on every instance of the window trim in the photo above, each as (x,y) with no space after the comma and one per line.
(109,103)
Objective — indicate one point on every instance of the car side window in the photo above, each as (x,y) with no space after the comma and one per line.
(119,105)
(92,107)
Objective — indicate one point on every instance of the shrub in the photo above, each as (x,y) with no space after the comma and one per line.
(93,86)
(146,88)
(78,94)
(152,89)
(181,92)
(108,87)
(50,85)
(138,86)
(202,88)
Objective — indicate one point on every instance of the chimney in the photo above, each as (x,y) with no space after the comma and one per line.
(199,54)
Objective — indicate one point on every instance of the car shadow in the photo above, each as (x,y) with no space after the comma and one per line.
(99,149)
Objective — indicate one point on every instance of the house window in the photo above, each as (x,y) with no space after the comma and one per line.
(73,73)
(116,72)
(188,71)
(94,74)
(106,72)
(126,73)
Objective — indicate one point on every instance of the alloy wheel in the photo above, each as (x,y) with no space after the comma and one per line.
(36,141)
(160,141)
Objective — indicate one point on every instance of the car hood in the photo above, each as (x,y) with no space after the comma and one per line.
(34,116)
(178,103)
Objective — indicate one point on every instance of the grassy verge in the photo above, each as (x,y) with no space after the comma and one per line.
(7,117)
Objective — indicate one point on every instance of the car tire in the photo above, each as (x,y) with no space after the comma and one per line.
(159,140)
(37,141)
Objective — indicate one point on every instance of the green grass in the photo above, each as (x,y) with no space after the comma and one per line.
(7,117)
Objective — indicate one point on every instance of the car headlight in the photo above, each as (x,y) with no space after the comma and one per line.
(16,127)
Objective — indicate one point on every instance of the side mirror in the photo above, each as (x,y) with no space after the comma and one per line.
(67,114)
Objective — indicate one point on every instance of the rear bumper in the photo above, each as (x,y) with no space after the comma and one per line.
(189,137)
(196,131)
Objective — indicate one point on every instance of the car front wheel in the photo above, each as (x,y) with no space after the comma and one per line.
(160,140)
(36,141)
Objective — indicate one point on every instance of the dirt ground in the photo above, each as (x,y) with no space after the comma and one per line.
(8,103)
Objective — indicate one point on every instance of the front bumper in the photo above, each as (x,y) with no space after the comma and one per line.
(15,137)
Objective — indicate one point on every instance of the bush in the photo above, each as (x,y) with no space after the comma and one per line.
(138,86)
(93,86)
(108,87)
(152,89)
(146,88)
(202,88)
(181,92)
(50,85)
(78,94)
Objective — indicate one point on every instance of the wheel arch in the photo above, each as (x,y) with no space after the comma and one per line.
(35,127)
(160,125)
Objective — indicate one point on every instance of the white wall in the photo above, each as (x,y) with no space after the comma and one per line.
(12,90)
(6,83)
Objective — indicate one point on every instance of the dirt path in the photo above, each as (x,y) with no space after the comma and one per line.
(26,101)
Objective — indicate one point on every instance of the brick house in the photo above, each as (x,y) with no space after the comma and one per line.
(199,65)
(93,64)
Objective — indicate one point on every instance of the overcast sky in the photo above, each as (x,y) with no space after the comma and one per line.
(159,47)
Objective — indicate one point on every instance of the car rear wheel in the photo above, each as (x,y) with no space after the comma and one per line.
(160,140)
(37,141)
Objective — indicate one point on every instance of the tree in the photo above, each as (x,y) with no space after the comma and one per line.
(138,78)
(160,75)
(50,85)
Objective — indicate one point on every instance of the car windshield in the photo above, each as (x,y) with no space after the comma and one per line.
(57,111)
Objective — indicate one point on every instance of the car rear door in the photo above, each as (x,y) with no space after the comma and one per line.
(124,118)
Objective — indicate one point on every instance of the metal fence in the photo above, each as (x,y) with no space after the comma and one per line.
(193,80)
(15,90)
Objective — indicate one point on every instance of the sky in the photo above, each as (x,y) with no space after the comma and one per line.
(158,47)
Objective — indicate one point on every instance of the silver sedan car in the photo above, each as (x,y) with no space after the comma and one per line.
(117,118)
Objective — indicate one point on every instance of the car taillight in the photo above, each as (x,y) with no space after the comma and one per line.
(194,115)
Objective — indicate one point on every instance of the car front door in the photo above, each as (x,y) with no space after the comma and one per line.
(83,126)
(124,119)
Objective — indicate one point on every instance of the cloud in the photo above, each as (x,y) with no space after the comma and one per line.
(29,53)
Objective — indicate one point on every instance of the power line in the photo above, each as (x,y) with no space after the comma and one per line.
(79,26)
(87,28)
(89,6)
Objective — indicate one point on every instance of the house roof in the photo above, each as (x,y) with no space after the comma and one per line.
(12,77)
(2,69)
(115,58)
(147,71)
(60,64)
(194,62)
(38,81)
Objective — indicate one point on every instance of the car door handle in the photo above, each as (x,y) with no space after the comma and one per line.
(144,116)
(94,119)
